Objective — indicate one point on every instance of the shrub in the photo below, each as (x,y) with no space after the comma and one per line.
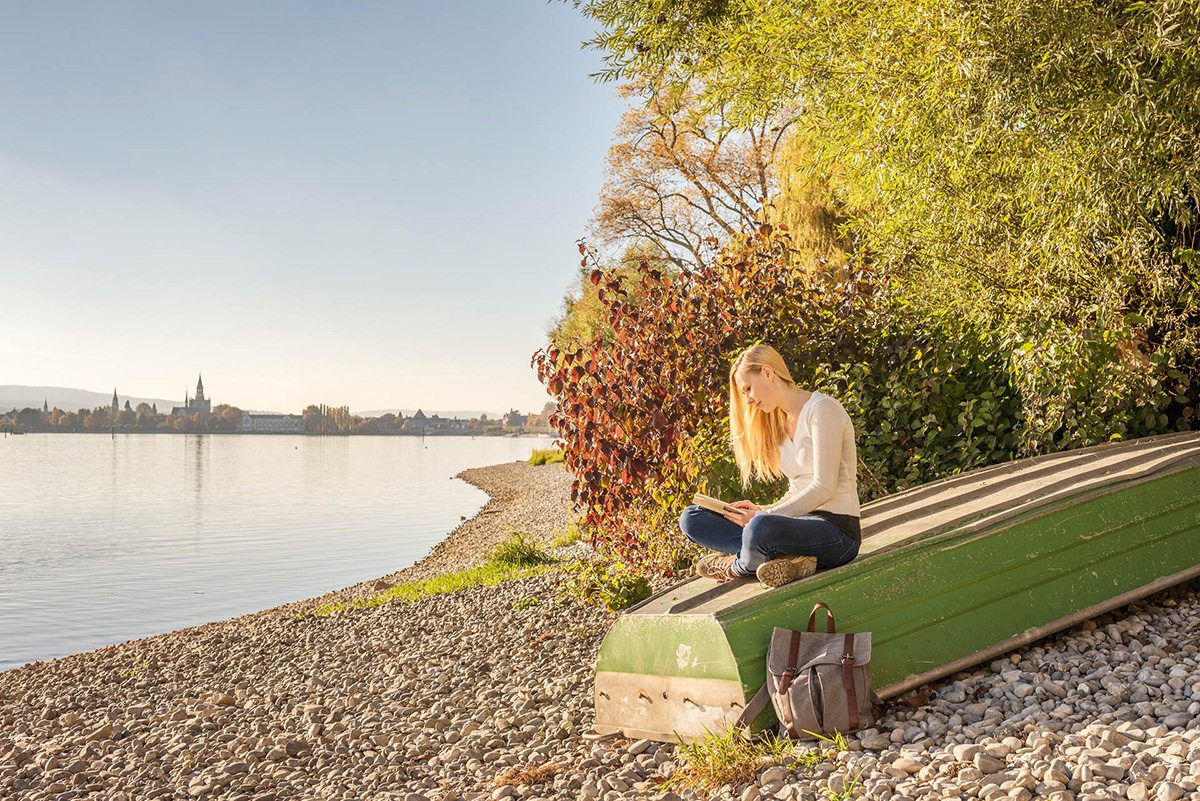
(613,586)
(545,456)
(517,551)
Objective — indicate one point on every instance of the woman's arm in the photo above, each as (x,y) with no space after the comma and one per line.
(828,428)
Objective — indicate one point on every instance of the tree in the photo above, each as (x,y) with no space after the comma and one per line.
(30,419)
(1011,148)
(1032,167)
(679,179)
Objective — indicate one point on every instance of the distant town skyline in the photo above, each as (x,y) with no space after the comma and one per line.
(305,202)
(73,398)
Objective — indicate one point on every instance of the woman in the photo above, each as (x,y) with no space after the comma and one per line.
(779,429)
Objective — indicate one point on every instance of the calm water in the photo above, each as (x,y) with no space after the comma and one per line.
(105,540)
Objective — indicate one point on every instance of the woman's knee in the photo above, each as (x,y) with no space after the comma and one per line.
(760,530)
(687,521)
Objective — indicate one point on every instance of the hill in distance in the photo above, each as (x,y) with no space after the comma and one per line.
(13,396)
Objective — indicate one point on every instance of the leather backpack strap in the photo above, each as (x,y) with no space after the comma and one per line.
(755,707)
(848,680)
(812,619)
(882,707)
(784,703)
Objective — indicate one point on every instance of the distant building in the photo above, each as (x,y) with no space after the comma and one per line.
(514,418)
(190,405)
(272,423)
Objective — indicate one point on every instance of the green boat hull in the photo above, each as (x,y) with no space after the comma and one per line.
(950,574)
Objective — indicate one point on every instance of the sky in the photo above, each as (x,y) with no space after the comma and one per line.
(373,204)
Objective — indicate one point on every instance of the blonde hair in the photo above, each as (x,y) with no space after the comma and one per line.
(756,435)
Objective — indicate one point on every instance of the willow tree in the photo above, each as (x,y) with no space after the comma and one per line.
(1030,166)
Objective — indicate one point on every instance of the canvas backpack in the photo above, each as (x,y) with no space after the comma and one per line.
(819,683)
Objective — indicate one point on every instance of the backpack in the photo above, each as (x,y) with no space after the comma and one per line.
(819,684)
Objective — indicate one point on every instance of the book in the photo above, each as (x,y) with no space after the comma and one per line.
(714,504)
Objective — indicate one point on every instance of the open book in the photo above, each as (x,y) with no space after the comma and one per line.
(714,504)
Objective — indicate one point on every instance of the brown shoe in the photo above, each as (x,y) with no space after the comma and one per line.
(717,566)
(778,572)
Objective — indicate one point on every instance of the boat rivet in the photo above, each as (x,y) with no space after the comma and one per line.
(664,695)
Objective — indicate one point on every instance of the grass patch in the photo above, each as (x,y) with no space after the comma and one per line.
(517,551)
(515,558)
(570,536)
(734,757)
(545,456)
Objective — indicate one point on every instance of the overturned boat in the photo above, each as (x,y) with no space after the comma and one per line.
(950,574)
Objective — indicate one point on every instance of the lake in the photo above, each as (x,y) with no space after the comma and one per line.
(104,539)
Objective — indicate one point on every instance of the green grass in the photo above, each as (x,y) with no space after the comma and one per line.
(733,757)
(569,537)
(515,558)
(545,456)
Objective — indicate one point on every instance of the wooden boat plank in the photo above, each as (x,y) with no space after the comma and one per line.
(977,497)
(932,488)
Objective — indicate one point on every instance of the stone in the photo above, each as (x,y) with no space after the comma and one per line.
(1109,771)
(967,752)
(988,764)
(104,732)
(1053,775)
(875,742)
(1169,791)
(773,774)
(639,747)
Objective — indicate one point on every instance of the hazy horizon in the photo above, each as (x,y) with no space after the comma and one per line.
(304,202)
(18,396)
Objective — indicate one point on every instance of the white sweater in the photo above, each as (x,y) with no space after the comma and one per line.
(820,461)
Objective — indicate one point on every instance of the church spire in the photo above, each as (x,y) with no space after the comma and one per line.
(116,405)
(200,388)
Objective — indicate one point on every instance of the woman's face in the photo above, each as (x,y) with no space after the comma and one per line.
(758,388)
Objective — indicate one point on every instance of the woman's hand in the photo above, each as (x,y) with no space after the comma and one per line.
(746,511)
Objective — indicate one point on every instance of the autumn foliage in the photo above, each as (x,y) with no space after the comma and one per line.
(643,415)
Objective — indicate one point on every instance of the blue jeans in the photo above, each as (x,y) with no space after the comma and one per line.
(768,537)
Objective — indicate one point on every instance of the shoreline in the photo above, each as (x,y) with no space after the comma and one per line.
(534,500)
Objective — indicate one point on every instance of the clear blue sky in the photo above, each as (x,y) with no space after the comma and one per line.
(363,203)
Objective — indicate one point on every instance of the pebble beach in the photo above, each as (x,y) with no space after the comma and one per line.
(487,694)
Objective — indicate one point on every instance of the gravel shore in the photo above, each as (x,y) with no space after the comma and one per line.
(448,697)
